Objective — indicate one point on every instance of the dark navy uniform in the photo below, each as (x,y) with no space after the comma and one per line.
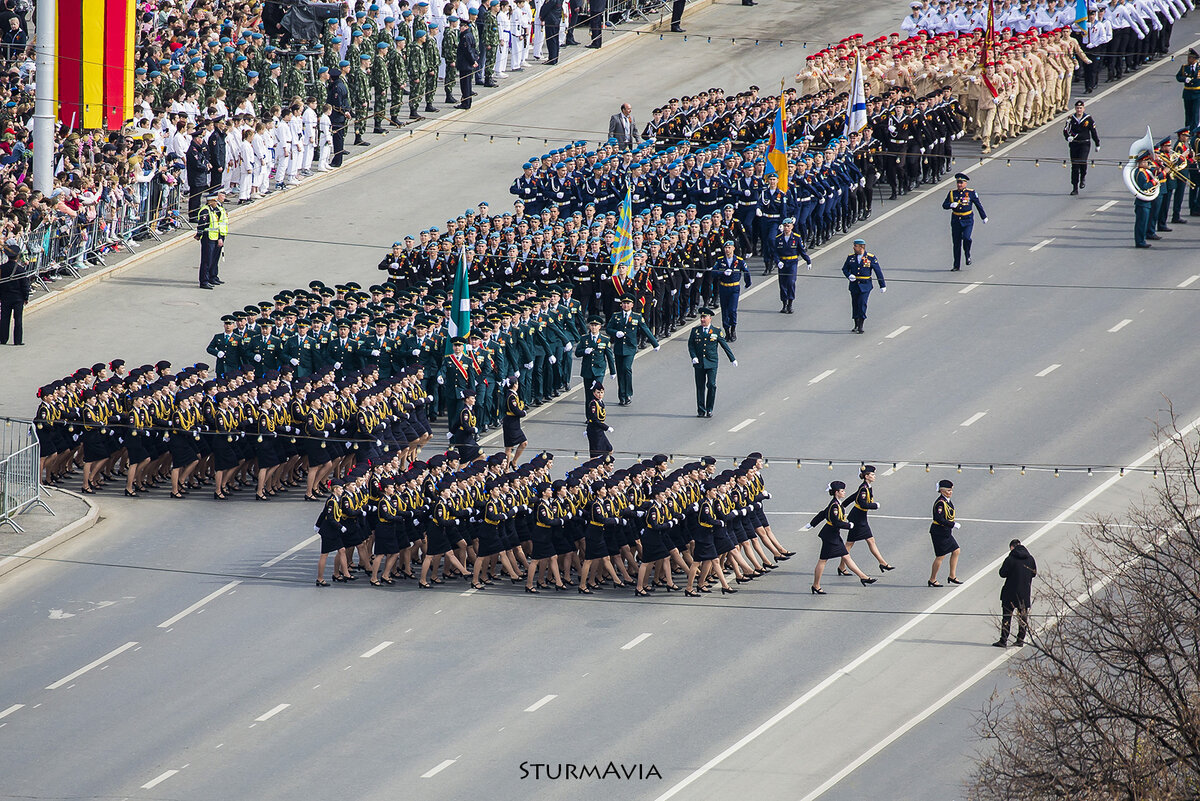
(597,429)
(730,272)
(860,270)
(962,203)
(789,249)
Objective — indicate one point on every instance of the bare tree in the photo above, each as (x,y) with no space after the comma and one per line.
(1107,703)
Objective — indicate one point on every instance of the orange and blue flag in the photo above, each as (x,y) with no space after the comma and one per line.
(777,161)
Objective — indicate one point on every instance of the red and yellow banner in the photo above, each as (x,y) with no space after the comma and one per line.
(95,63)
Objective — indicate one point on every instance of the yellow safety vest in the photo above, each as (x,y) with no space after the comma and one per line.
(218,223)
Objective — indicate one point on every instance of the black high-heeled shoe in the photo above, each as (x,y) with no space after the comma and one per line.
(935,584)
(176,494)
(953,580)
(129,494)
(219,497)
(339,578)
(475,586)
(641,593)
(376,583)
(867,581)
(322,583)
(673,587)
(844,572)
(691,593)
(531,590)
(742,580)
(886,568)
(422,585)
(817,591)
(258,497)
(559,587)
(388,581)
(584,590)
(728,590)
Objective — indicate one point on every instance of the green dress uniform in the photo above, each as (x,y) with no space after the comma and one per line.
(702,347)
(226,349)
(381,83)
(623,329)
(594,353)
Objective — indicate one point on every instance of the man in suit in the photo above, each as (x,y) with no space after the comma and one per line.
(551,16)
(623,329)
(622,127)
(14,294)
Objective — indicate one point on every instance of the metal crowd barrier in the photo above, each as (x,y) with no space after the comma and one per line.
(20,471)
(65,246)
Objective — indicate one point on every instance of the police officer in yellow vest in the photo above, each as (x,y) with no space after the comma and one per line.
(211,226)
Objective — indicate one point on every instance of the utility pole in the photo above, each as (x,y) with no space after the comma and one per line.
(43,109)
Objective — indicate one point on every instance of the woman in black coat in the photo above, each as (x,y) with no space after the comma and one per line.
(1018,571)
(832,546)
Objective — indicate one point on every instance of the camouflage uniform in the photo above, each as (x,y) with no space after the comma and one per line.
(398,76)
(432,62)
(490,43)
(415,62)
(268,92)
(293,80)
(380,82)
(450,56)
(359,96)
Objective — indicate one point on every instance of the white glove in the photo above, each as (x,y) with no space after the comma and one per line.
(567,348)
(529,366)
(758,212)
(807,527)
(295,362)
(375,352)
(779,266)
(416,352)
(612,375)
(611,429)
(958,525)
(735,362)
(326,433)
(441,380)
(220,354)
(620,335)
(851,525)
(656,348)
(695,360)
(883,289)
(553,360)
(808,264)
(337,365)
(985,220)
(508,270)
(587,350)
(258,357)
(343,529)
(317,528)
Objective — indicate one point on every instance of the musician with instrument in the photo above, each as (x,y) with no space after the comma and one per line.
(1180,162)
(1146,184)
(1080,132)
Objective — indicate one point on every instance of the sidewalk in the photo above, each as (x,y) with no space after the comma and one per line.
(73,515)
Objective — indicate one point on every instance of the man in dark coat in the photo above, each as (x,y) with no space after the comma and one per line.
(14,294)
(216,153)
(467,62)
(338,97)
(198,167)
(551,16)
(1018,571)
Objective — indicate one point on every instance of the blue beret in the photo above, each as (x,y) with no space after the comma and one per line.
(364,57)
(381,46)
(417,34)
(433,24)
(273,65)
(155,73)
(228,49)
(225,40)
(322,70)
(472,12)
(527,166)
(386,20)
(360,14)
(336,40)
(270,48)
(343,63)
(789,220)
(451,18)
(218,67)
(356,34)
(300,57)
(201,74)
(140,71)
(240,59)
(252,74)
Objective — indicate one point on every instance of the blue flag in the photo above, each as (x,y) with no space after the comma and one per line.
(623,252)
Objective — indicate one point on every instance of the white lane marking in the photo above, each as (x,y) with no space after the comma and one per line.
(635,641)
(270,713)
(1119,326)
(899,466)
(969,287)
(1041,245)
(985,572)
(972,420)
(159,779)
(58,614)
(376,649)
(171,621)
(822,376)
(290,551)
(11,709)
(90,665)
(741,425)
(898,332)
(1188,281)
(471,591)
(534,707)
(438,768)
(975,678)
(1047,371)
(1108,205)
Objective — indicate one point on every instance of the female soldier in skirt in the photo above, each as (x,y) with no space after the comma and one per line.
(514,410)
(941,531)
(387,539)
(832,546)
(331,526)
(863,501)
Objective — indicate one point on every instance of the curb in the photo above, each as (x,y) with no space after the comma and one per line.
(415,134)
(64,534)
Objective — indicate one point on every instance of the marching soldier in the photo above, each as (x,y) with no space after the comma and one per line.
(224,346)
(860,268)
(730,271)
(702,347)
(597,428)
(962,202)
(789,249)
(1080,132)
(624,327)
(594,351)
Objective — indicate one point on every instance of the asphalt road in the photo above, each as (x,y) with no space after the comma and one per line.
(144,671)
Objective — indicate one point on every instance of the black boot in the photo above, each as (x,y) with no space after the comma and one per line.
(378,130)
(358,140)
(450,99)
(413,115)
(732,333)
(429,107)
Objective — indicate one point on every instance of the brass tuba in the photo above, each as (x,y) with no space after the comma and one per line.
(1143,145)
